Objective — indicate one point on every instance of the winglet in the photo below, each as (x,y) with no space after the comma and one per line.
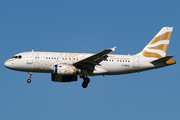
(113,49)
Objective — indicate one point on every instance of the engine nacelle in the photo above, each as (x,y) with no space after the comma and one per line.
(64,69)
(60,78)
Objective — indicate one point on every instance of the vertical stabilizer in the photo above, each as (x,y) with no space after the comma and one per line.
(157,47)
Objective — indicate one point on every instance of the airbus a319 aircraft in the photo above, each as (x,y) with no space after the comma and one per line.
(66,67)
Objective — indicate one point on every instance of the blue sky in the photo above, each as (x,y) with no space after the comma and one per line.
(88,27)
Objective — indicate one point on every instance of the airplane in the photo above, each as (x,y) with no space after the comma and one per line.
(66,67)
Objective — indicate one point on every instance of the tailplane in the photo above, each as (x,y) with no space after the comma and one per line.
(158,46)
(166,60)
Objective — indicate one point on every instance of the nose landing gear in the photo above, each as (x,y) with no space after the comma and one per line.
(85,82)
(30,75)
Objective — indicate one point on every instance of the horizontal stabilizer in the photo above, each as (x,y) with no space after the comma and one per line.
(161,60)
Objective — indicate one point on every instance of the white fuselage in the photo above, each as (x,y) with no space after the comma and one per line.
(44,62)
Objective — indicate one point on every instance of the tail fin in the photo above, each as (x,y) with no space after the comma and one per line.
(157,47)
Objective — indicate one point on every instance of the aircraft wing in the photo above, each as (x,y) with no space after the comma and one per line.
(93,60)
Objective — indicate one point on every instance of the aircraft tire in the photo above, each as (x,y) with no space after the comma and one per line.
(84,84)
(29,81)
(87,80)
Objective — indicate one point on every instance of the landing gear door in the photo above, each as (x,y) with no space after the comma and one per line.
(30,57)
(136,62)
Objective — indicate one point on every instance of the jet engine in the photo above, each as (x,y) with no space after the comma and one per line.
(64,69)
(60,78)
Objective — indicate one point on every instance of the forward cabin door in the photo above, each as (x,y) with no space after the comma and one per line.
(136,62)
(30,57)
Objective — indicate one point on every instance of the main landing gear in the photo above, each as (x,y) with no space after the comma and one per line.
(85,82)
(29,80)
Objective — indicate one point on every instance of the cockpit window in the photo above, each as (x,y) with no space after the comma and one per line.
(17,57)
(14,57)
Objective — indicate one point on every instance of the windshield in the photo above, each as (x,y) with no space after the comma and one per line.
(17,57)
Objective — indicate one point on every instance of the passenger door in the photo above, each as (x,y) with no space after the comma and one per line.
(136,62)
(30,57)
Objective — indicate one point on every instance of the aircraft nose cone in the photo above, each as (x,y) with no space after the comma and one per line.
(7,64)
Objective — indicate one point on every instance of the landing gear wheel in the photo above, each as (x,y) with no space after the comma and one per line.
(29,81)
(87,79)
(84,84)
